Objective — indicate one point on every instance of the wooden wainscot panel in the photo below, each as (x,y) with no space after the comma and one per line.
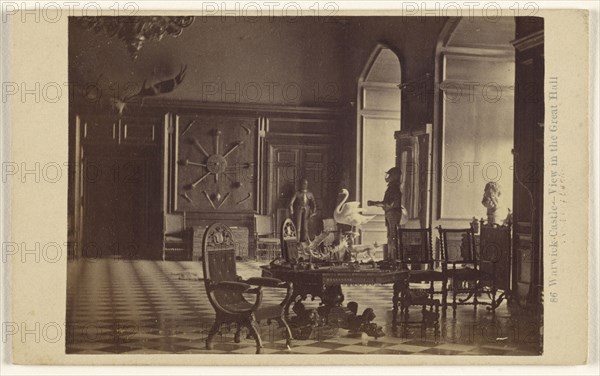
(97,130)
(523,259)
(139,133)
(301,127)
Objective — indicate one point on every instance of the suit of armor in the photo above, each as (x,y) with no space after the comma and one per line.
(302,206)
(392,206)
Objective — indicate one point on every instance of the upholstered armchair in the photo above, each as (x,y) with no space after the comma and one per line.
(227,291)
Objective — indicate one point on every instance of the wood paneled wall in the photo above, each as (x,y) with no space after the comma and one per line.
(215,162)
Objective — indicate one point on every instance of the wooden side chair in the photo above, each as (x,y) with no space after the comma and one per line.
(225,290)
(267,244)
(177,239)
(462,267)
(414,249)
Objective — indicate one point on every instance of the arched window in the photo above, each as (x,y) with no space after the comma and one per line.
(378,118)
(474,119)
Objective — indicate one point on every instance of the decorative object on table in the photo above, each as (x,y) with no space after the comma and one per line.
(225,290)
(349,212)
(313,250)
(302,207)
(364,252)
(135,31)
(387,264)
(291,249)
(307,254)
(475,225)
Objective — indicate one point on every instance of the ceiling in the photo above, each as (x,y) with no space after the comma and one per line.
(481,32)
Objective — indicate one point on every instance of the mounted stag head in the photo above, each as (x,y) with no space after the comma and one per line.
(158,88)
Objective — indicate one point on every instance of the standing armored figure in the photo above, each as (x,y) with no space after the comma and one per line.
(392,206)
(302,206)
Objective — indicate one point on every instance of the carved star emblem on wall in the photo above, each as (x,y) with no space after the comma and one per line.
(214,164)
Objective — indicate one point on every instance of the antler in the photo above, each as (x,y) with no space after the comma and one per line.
(161,87)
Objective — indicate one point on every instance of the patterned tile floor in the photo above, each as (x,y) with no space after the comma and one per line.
(155,307)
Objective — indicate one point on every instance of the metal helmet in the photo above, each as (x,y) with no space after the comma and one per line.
(394,174)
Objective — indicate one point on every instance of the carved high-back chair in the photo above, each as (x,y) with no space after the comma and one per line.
(225,290)
(414,252)
(290,247)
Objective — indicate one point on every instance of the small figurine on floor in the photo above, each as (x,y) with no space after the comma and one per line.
(305,321)
(363,323)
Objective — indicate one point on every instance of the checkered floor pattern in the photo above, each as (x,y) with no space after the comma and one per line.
(155,307)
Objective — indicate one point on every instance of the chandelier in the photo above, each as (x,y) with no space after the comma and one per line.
(135,31)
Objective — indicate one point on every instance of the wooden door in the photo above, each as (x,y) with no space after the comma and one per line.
(121,200)
(287,165)
(314,161)
(284,163)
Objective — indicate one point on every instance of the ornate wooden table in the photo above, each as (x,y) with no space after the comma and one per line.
(325,283)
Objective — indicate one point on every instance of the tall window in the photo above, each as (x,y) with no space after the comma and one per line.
(378,119)
(476,118)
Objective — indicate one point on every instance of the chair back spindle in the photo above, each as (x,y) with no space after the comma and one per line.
(414,246)
(458,245)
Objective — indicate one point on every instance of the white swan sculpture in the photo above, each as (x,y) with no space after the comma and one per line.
(348,213)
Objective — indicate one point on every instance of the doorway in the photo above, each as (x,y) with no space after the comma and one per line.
(288,164)
(121,199)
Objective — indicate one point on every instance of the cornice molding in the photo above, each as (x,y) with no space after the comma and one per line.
(182,106)
(529,41)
